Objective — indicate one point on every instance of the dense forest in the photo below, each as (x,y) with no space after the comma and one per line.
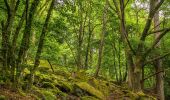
(84,50)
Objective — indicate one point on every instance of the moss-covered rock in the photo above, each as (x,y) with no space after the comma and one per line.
(91,90)
(101,85)
(43,94)
(64,86)
(89,98)
(48,95)
(2,97)
(47,85)
(80,75)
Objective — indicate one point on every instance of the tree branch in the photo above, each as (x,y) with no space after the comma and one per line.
(117,8)
(157,58)
(157,40)
(7,5)
(126,3)
(153,32)
(152,75)
(149,20)
(111,6)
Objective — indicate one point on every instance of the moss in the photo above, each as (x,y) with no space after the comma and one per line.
(43,69)
(48,95)
(47,85)
(143,96)
(100,85)
(62,73)
(88,98)
(64,86)
(91,90)
(81,75)
(43,94)
(2,97)
(139,96)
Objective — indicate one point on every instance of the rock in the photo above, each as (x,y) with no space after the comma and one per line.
(2,97)
(91,90)
(88,98)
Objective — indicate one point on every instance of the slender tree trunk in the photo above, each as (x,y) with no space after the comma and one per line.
(13,47)
(88,46)
(26,39)
(41,43)
(158,63)
(6,32)
(80,38)
(119,61)
(102,35)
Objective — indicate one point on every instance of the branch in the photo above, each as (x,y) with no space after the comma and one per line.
(126,3)
(157,58)
(157,40)
(111,6)
(117,8)
(149,20)
(153,32)
(7,5)
(16,5)
(152,75)
(129,44)
(50,65)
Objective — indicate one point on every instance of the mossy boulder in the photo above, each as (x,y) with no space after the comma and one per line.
(101,85)
(80,75)
(2,97)
(43,69)
(48,95)
(90,89)
(47,85)
(64,86)
(139,96)
(43,94)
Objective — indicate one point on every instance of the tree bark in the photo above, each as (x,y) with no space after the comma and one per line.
(102,35)
(26,39)
(41,43)
(158,63)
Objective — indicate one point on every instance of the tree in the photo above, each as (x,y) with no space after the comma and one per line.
(41,43)
(102,36)
(158,63)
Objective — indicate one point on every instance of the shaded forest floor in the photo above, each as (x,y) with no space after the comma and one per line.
(65,85)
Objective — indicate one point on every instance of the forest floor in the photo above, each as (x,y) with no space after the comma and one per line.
(65,85)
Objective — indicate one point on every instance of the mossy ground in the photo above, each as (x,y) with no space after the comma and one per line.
(64,85)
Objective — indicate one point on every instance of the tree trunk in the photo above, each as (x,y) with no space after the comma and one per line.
(26,39)
(88,46)
(41,43)
(6,32)
(158,63)
(102,35)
